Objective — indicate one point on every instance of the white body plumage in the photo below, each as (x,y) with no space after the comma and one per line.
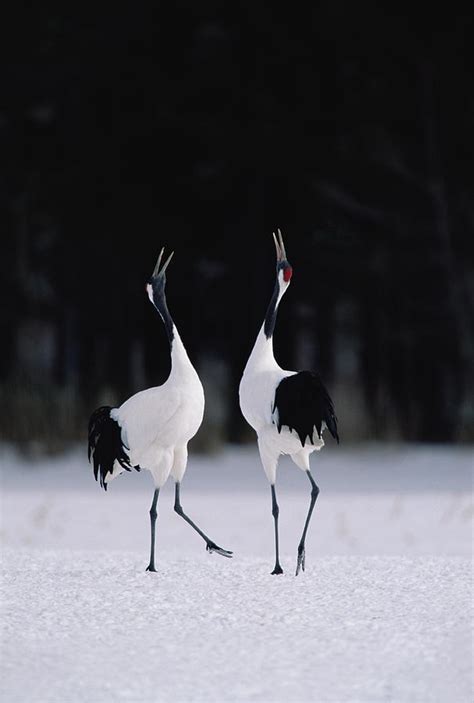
(262,375)
(157,423)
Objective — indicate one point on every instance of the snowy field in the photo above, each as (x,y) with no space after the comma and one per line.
(382,613)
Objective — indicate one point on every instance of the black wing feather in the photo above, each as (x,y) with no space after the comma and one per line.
(105,445)
(303,404)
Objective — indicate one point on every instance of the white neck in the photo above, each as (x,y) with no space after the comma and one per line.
(262,355)
(180,363)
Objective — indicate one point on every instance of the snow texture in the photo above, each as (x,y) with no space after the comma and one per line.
(383,612)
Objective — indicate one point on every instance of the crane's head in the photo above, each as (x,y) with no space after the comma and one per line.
(284,270)
(156,285)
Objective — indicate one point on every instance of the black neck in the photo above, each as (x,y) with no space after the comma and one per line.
(160,304)
(270,317)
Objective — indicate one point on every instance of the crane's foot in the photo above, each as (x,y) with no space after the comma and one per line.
(277,570)
(151,567)
(212,547)
(300,562)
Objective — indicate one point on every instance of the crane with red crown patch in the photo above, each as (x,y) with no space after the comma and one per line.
(289,410)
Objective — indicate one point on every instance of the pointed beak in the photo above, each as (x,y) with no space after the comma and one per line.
(280,247)
(157,271)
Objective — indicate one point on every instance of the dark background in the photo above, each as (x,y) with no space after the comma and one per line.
(203,128)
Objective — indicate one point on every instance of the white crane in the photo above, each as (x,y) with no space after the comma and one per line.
(287,409)
(151,430)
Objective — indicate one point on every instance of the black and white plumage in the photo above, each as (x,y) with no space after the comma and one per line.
(303,404)
(289,410)
(106,446)
(151,430)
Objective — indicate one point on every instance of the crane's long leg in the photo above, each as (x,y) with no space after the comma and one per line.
(153,514)
(301,547)
(210,545)
(275,513)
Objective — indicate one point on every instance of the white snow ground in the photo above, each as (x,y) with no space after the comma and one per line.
(382,613)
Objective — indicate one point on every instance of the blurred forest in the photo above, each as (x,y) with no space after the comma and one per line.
(202,127)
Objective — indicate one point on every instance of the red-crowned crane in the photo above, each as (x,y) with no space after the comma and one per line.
(287,409)
(151,430)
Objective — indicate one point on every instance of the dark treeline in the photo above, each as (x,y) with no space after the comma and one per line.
(203,128)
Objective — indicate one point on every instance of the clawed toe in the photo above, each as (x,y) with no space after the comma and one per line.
(211,547)
(300,563)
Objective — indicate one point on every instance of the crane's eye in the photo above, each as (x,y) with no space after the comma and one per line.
(287,273)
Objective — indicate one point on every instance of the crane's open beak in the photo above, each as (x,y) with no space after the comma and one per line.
(280,247)
(157,271)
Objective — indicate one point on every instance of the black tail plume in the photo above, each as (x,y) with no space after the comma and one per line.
(105,445)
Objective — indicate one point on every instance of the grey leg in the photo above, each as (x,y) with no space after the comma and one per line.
(210,545)
(153,514)
(300,563)
(275,513)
